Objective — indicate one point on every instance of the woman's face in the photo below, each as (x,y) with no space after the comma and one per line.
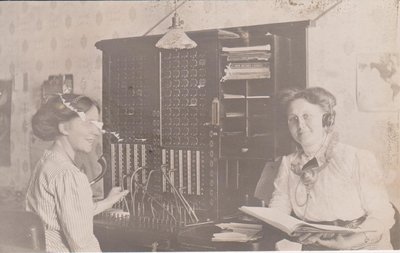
(83,133)
(305,122)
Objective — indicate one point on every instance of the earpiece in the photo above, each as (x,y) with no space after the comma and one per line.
(328,119)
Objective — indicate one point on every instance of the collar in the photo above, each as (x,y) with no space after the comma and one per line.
(58,157)
(323,156)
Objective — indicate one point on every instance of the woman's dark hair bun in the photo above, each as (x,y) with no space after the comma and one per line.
(50,114)
(44,126)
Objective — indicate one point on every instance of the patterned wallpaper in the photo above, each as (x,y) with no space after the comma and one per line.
(39,39)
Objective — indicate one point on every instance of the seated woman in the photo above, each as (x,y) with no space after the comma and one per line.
(58,191)
(327,181)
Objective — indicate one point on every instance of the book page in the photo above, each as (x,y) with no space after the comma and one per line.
(284,222)
(289,224)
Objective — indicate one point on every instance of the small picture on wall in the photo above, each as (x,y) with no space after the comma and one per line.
(57,84)
(5,120)
(378,82)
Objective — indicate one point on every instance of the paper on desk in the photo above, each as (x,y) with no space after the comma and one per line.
(286,245)
(237,232)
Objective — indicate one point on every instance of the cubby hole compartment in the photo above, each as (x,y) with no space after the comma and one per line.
(234,108)
(233,87)
(260,107)
(234,126)
(260,87)
(232,145)
(261,147)
(242,147)
(260,127)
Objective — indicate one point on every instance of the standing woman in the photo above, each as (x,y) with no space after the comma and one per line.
(58,191)
(330,182)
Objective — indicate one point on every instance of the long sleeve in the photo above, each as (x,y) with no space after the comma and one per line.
(74,207)
(280,197)
(265,186)
(374,197)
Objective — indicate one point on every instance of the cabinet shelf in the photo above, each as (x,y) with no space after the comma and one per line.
(261,135)
(230,134)
(233,96)
(245,77)
(259,116)
(243,134)
(235,115)
(258,97)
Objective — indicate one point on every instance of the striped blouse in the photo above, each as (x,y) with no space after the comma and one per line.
(61,195)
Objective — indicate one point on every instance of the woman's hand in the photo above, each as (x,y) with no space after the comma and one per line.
(346,242)
(312,238)
(115,195)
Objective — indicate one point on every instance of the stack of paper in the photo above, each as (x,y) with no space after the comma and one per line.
(247,62)
(259,53)
(237,232)
(286,245)
(251,70)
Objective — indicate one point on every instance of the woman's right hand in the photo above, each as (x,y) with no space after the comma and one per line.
(115,195)
(306,238)
(312,238)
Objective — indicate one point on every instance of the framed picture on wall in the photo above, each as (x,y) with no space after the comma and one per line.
(378,82)
(57,84)
(5,122)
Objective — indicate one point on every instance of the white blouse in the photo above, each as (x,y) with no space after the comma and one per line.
(349,185)
(61,195)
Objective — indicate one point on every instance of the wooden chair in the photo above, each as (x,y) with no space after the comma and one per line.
(265,186)
(395,230)
(21,231)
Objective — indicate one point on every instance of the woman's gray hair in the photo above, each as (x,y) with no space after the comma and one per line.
(314,95)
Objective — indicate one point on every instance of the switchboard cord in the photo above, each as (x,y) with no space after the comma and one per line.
(152,198)
(133,193)
(102,161)
(186,205)
(124,198)
(147,183)
(175,191)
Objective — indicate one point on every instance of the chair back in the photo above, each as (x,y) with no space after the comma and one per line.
(21,231)
(395,230)
(265,185)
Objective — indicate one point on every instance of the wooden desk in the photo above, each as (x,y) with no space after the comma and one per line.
(122,239)
(117,239)
(199,239)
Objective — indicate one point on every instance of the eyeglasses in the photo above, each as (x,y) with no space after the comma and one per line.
(294,119)
(98,124)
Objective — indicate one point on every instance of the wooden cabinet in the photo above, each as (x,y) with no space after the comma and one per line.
(196,125)
(254,68)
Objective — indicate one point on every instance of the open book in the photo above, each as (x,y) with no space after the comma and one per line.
(291,225)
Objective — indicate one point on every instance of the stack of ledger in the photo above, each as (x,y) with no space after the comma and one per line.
(247,62)
(237,232)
